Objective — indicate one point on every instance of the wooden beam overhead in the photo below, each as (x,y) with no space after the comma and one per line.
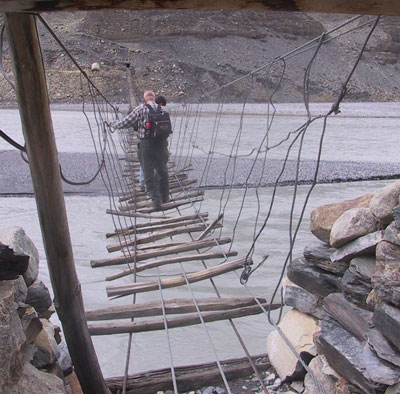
(372,7)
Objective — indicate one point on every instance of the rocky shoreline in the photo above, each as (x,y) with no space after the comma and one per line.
(34,356)
(344,293)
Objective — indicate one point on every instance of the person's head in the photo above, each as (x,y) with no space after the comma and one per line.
(149,95)
(160,100)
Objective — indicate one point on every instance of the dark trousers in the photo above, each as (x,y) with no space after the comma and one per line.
(154,156)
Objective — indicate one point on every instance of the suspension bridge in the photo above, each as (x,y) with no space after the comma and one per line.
(181,232)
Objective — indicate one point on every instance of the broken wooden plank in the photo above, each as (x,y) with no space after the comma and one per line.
(188,377)
(157,236)
(172,260)
(179,280)
(175,322)
(171,307)
(140,256)
(210,227)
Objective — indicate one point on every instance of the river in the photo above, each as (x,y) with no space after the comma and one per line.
(355,136)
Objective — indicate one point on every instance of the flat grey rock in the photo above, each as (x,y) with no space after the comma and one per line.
(359,247)
(312,278)
(387,320)
(319,253)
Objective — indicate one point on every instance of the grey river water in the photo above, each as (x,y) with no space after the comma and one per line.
(356,135)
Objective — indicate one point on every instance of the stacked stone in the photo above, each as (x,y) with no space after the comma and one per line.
(34,358)
(345,295)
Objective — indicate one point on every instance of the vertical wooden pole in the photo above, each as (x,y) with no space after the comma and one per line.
(37,127)
(132,97)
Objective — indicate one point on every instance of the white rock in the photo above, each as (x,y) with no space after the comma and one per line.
(95,66)
(299,328)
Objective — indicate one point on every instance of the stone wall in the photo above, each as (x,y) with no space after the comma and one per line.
(345,295)
(34,357)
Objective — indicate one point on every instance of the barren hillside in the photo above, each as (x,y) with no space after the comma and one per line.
(184,54)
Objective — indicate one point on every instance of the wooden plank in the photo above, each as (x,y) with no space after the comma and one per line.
(175,322)
(135,214)
(175,219)
(148,203)
(374,7)
(150,229)
(171,307)
(156,236)
(188,377)
(172,189)
(171,205)
(172,260)
(33,101)
(185,247)
(179,280)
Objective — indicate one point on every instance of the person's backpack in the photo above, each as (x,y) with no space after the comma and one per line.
(158,124)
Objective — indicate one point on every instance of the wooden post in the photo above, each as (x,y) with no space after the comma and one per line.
(31,90)
(132,97)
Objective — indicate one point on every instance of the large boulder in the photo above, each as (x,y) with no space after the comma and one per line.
(302,300)
(299,328)
(16,238)
(384,201)
(324,216)
(352,224)
(386,279)
(12,339)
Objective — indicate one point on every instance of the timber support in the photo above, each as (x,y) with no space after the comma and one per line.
(32,95)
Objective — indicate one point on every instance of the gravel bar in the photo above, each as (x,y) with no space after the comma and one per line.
(79,167)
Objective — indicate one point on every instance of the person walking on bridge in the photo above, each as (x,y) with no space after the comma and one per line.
(153,151)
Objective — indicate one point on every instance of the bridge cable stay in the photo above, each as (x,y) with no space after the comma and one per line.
(132,215)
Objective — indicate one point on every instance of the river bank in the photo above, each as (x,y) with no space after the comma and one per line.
(79,167)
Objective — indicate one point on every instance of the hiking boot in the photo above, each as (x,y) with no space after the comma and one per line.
(156,205)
